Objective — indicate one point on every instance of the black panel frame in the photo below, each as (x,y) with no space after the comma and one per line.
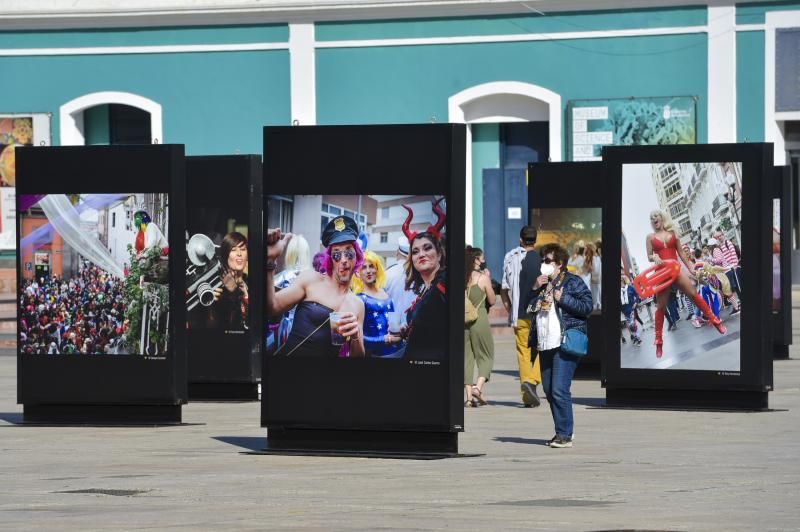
(224,367)
(62,388)
(755,373)
(573,185)
(782,320)
(361,396)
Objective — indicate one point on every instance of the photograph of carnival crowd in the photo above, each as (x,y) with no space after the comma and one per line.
(93,274)
(357,276)
(680,284)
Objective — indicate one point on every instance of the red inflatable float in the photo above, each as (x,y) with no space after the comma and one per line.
(656,278)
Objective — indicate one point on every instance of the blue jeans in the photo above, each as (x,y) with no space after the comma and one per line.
(557,371)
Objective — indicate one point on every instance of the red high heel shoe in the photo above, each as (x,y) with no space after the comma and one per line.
(659,323)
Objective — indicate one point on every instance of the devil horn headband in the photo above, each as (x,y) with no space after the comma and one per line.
(432,229)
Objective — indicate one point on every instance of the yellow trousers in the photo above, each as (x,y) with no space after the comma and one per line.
(528,369)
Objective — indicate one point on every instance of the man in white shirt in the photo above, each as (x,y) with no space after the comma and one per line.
(396,282)
(520,270)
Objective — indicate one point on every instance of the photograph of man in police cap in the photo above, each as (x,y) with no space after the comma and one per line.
(316,295)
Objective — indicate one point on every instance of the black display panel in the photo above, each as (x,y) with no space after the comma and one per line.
(95,226)
(334,184)
(566,202)
(670,202)
(782,259)
(224,300)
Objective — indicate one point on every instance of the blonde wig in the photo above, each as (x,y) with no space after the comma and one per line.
(357,285)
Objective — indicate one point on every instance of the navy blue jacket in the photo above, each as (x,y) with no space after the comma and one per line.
(575,305)
(633,298)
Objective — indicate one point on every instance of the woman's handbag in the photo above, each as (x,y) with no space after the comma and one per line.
(573,341)
(470,309)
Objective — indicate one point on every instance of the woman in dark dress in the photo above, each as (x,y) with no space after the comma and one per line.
(229,312)
(425,275)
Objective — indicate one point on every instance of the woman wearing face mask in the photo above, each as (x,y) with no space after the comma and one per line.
(478,343)
(557,288)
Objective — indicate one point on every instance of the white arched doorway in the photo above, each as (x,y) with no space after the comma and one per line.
(504,101)
(71,114)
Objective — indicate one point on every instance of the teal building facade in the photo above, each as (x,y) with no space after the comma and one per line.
(212,77)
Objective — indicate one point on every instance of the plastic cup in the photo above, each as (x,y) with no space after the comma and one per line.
(336,338)
(395,322)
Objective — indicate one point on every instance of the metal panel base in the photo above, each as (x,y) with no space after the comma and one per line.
(363,443)
(687,399)
(223,391)
(102,414)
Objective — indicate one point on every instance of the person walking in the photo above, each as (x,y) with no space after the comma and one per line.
(726,256)
(520,270)
(561,302)
(478,343)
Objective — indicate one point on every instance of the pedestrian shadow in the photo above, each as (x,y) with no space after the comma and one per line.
(250,443)
(592,402)
(515,439)
(507,372)
(514,404)
(15,418)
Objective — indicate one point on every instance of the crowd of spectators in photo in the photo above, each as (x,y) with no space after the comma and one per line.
(81,315)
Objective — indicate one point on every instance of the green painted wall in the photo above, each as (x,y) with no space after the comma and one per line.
(96,127)
(485,154)
(411,84)
(514,25)
(145,36)
(215,103)
(750,86)
(753,13)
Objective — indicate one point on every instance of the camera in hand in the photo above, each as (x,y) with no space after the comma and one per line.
(202,271)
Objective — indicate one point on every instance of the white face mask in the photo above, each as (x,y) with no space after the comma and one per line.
(547,269)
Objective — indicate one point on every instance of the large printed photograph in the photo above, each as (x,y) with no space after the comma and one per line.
(579,231)
(357,276)
(94,274)
(217,296)
(681,266)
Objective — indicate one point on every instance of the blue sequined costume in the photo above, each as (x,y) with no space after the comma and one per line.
(376,325)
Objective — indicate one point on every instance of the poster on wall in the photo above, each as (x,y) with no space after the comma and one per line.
(342,286)
(680,276)
(16,130)
(99,285)
(593,124)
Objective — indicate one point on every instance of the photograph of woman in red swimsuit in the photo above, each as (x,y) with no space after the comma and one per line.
(669,211)
(662,244)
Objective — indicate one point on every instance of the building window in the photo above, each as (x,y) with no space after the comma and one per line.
(279,212)
(384,212)
(113,219)
(673,190)
(677,209)
(329,212)
(686,227)
(384,238)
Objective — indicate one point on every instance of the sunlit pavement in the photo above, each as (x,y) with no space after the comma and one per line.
(629,469)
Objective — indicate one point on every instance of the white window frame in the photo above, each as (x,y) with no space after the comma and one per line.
(71,115)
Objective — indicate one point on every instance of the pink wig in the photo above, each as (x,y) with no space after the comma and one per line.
(327,260)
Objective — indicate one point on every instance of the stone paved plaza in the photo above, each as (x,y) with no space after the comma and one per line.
(629,469)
